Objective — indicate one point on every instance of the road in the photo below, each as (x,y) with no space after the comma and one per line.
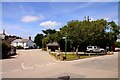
(39,64)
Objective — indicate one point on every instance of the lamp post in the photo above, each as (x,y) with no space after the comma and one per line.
(66,41)
(109,32)
(65,45)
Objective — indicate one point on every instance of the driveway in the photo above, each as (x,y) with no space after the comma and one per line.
(39,64)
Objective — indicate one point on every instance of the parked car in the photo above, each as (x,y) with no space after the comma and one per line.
(95,49)
(117,49)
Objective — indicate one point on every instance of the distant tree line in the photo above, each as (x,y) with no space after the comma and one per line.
(81,34)
(12,36)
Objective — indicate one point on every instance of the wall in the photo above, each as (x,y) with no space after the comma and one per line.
(30,43)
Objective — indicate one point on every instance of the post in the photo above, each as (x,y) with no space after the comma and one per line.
(65,46)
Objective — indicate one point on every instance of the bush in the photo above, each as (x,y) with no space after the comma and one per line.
(44,49)
(19,47)
(117,44)
(6,48)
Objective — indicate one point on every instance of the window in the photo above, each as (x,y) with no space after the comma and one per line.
(26,44)
(90,47)
(95,47)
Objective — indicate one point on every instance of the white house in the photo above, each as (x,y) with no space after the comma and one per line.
(2,36)
(118,38)
(25,43)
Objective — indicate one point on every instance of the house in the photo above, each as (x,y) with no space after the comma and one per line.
(25,43)
(2,36)
(53,46)
(118,38)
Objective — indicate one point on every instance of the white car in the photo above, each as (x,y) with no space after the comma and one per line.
(117,49)
(95,49)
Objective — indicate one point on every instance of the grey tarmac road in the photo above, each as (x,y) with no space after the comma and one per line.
(36,63)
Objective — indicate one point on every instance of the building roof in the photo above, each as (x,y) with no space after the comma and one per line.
(9,40)
(25,40)
(20,41)
(53,44)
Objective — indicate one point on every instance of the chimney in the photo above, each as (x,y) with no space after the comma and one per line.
(4,32)
(29,37)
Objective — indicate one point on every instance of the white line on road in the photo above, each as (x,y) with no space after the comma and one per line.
(26,67)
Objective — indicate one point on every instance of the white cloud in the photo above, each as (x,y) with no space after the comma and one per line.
(30,18)
(50,24)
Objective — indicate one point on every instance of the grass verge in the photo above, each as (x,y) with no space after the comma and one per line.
(70,57)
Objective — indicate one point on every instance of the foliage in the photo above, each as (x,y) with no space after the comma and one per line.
(117,44)
(44,49)
(44,42)
(6,48)
(38,40)
(19,47)
(72,56)
(10,36)
(49,32)
(84,33)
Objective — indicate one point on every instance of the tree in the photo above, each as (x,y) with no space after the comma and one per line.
(38,40)
(6,48)
(84,33)
(49,32)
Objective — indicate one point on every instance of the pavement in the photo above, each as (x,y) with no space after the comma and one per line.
(36,63)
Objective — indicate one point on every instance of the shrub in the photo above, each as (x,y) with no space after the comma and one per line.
(6,48)
(44,49)
(19,47)
(117,44)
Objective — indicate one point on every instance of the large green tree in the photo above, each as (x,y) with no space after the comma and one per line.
(84,33)
(38,40)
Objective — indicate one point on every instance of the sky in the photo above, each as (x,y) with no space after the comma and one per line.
(26,19)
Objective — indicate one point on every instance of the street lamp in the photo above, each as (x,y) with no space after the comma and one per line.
(109,32)
(65,45)
(65,42)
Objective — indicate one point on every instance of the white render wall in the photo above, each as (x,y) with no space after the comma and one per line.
(18,44)
(24,45)
(118,40)
(30,43)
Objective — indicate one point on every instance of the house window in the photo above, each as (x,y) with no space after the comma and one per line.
(23,44)
(26,44)
(16,43)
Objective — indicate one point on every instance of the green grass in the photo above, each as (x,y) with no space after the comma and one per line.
(70,57)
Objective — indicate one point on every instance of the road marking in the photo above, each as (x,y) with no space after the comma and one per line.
(26,67)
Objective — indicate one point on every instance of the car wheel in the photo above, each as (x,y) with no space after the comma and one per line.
(102,51)
(91,51)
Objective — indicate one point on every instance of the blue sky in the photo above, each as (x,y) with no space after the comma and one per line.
(29,18)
